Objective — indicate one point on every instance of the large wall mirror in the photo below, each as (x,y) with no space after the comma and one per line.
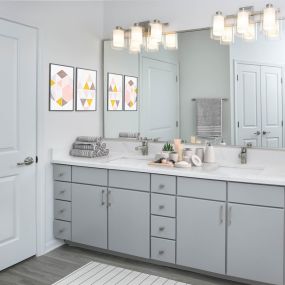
(230,93)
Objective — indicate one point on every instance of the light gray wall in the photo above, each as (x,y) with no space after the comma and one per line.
(120,62)
(204,72)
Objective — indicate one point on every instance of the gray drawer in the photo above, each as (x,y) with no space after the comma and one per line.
(163,184)
(163,227)
(62,172)
(163,250)
(62,190)
(163,205)
(201,188)
(255,194)
(89,175)
(129,180)
(62,230)
(62,210)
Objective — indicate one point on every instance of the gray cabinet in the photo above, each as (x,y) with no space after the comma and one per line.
(255,243)
(129,222)
(201,233)
(89,215)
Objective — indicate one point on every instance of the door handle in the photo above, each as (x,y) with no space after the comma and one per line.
(221,214)
(102,197)
(27,161)
(230,215)
(109,198)
(257,133)
(265,133)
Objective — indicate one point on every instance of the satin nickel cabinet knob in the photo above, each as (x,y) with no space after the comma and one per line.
(257,133)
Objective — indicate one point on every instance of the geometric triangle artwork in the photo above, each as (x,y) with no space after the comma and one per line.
(131,93)
(115,94)
(86,90)
(61,88)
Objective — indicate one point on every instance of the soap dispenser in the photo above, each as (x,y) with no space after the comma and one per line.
(209,155)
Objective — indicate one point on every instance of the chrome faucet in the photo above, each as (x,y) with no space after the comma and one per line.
(143,147)
(243,155)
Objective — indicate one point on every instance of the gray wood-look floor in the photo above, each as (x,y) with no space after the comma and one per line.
(49,268)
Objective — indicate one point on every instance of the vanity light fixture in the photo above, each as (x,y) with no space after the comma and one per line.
(244,24)
(170,41)
(118,38)
(148,35)
(218,24)
(242,21)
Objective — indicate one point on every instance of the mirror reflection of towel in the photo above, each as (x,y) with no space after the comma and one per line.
(209,117)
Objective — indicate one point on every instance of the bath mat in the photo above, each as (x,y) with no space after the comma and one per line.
(103,274)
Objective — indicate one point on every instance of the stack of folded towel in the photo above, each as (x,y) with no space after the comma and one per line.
(89,147)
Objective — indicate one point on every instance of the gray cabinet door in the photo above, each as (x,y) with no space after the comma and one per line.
(129,222)
(89,215)
(255,243)
(201,234)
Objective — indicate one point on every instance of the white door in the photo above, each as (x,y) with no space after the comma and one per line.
(17,142)
(256,243)
(248,105)
(159,100)
(271,106)
(201,234)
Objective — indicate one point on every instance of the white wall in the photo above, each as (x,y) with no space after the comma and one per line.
(204,73)
(181,14)
(69,33)
(124,63)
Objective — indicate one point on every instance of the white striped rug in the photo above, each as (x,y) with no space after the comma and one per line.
(99,273)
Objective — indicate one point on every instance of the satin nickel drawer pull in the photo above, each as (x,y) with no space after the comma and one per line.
(161,252)
(161,207)
(161,186)
(62,192)
(161,229)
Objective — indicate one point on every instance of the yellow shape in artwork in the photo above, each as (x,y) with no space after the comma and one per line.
(89,101)
(115,89)
(113,102)
(86,87)
(59,101)
(131,104)
(52,82)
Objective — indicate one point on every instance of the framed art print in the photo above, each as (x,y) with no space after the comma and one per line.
(61,87)
(131,93)
(86,89)
(115,92)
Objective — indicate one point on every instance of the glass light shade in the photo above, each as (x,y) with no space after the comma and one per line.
(134,47)
(250,34)
(218,24)
(275,32)
(170,41)
(118,38)
(137,34)
(242,21)
(156,31)
(269,19)
(151,45)
(228,36)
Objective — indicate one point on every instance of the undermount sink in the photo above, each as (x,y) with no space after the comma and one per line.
(129,161)
(238,170)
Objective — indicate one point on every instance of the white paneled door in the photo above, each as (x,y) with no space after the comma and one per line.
(18,56)
(258,99)
(160,100)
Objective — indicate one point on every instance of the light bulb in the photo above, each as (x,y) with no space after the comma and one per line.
(118,38)
(269,19)
(137,34)
(242,21)
(218,24)
(170,41)
(228,36)
(156,31)
(151,45)
(250,34)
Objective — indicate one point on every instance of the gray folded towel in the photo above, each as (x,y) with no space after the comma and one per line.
(86,146)
(209,117)
(129,135)
(88,139)
(82,153)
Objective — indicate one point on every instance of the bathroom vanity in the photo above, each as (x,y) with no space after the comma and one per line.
(208,221)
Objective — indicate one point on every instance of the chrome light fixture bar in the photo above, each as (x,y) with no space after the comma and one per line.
(149,35)
(244,24)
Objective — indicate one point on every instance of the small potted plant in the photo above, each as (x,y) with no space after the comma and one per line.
(166,150)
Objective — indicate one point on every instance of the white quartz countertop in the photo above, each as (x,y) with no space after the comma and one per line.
(221,171)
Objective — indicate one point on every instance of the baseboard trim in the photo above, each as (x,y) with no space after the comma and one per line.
(52,244)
